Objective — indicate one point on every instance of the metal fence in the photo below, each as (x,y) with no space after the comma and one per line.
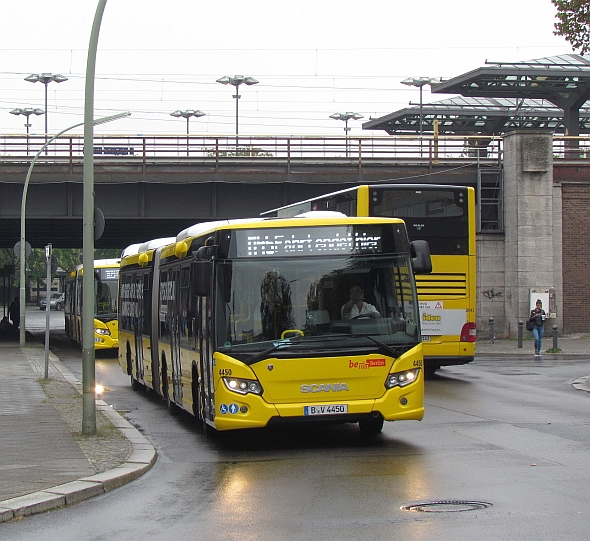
(394,149)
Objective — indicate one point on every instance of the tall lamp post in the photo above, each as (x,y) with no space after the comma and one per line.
(236,81)
(187,114)
(421,82)
(46,78)
(346,117)
(28,111)
(22,244)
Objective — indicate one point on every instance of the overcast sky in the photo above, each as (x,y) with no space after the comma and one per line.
(312,58)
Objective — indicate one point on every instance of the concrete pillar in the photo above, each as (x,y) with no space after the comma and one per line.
(532,260)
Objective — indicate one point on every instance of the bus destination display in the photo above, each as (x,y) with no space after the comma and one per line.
(299,241)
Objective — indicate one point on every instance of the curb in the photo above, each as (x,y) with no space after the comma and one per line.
(141,460)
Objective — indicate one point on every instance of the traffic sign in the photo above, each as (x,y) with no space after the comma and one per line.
(27,249)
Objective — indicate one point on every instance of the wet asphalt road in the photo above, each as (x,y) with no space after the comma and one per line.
(510,432)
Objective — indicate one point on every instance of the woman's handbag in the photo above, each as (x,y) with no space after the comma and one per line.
(530,325)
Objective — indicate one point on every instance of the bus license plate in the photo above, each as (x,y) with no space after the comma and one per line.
(334,409)
(426,338)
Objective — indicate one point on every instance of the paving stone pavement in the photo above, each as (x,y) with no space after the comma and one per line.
(45,460)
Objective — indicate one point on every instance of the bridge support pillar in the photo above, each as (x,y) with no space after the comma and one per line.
(532,247)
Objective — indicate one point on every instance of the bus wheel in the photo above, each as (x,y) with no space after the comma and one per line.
(371,425)
(430,369)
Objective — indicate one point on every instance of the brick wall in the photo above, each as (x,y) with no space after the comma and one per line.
(576,257)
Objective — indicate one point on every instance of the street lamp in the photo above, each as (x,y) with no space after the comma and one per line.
(28,111)
(187,114)
(346,117)
(46,78)
(22,255)
(236,81)
(420,82)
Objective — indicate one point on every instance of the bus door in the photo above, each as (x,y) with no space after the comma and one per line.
(206,358)
(174,277)
(138,326)
(153,322)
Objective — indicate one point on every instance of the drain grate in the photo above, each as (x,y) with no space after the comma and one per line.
(446,506)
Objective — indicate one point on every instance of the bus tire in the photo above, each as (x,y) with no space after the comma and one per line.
(371,425)
(430,369)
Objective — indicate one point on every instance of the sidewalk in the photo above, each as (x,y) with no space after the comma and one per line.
(575,344)
(45,462)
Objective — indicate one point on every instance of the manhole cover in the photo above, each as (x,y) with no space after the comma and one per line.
(446,506)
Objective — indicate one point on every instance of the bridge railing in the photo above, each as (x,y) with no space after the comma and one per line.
(219,148)
(206,148)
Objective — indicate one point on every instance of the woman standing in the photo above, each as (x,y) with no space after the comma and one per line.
(538,318)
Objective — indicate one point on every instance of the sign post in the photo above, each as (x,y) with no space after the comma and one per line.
(48,258)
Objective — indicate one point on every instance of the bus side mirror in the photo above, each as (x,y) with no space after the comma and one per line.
(204,253)
(421,261)
(202,272)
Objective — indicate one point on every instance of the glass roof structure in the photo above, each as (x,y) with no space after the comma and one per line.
(479,116)
(562,80)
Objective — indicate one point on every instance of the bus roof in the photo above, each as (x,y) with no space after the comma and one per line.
(369,186)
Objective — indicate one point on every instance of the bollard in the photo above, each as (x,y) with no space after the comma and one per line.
(555,338)
(520,332)
(491,330)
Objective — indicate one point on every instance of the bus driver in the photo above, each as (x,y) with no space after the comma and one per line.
(357,306)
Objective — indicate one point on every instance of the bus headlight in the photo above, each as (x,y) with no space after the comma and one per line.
(102,331)
(243,386)
(401,379)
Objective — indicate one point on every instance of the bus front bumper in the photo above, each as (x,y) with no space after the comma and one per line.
(251,411)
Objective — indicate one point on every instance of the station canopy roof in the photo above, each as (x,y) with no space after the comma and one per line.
(478,116)
(562,81)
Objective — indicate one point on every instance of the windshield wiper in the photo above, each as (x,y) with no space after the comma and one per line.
(392,351)
(261,355)
(289,342)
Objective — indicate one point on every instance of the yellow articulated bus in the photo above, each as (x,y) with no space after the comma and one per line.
(444,216)
(106,279)
(249,323)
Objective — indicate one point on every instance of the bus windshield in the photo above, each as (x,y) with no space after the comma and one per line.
(105,293)
(297,305)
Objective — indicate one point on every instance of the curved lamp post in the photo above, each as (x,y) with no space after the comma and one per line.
(420,82)
(187,114)
(236,81)
(346,117)
(22,257)
(46,78)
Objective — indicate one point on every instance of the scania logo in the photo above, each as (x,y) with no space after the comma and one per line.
(324,387)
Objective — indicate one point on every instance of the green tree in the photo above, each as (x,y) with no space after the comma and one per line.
(67,257)
(573,23)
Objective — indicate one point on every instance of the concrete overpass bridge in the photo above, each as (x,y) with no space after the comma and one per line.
(533,192)
(155,186)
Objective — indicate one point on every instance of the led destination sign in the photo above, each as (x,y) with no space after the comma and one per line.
(305,241)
